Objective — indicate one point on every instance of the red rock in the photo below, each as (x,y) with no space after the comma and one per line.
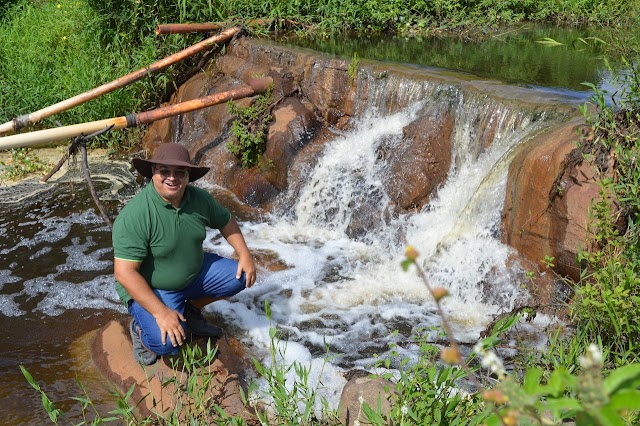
(154,385)
(546,205)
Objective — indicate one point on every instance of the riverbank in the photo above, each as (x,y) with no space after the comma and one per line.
(46,157)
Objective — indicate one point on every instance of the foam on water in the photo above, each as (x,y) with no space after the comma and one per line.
(346,296)
(339,295)
(50,260)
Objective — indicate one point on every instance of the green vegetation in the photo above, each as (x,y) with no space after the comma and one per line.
(53,50)
(249,129)
(23,162)
(610,283)
(50,51)
(353,68)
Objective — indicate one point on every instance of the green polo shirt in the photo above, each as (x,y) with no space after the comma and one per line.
(167,240)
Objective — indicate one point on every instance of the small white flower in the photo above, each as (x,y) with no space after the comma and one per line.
(591,358)
(594,352)
(404,409)
(479,348)
(493,363)
(361,400)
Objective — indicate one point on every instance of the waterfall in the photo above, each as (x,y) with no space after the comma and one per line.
(351,293)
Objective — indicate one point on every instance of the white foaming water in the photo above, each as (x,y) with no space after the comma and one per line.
(347,296)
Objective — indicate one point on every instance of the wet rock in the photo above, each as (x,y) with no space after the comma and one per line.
(293,126)
(372,390)
(159,387)
(427,142)
(546,210)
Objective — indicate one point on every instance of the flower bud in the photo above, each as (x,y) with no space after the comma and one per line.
(451,356)
(510,418)
(495,395)
(411,253)
(439,293)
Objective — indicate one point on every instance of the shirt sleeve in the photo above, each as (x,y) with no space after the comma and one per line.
(219,216)
(129,240)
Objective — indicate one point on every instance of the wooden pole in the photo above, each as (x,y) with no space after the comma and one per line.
(43,137)
(187,28)
(203,27)
(29,119)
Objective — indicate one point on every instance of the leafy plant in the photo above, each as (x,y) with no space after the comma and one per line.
(427,391)
(588,397)
(249,130)
(23,162)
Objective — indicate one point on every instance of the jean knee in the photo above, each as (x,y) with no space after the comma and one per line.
(154,344)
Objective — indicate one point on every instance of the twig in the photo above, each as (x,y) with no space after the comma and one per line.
(87,177)
(70,151)
(82,141)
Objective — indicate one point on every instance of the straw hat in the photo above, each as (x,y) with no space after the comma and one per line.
(169,154)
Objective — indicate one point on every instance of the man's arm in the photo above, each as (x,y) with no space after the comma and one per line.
(127,273)
(231,232)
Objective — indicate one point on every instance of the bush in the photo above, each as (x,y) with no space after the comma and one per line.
(610,283)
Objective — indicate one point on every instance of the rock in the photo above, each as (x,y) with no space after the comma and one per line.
(155,385)
(372,390)
(427,142)
(293,126)
(546,209)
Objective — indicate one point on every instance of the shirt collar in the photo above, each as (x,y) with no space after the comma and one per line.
(157,199)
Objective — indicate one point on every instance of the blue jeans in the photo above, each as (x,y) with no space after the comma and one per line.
(217,279)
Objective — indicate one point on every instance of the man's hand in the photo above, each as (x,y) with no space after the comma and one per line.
(168,321)
(246,265)
(231,232)
(127,273)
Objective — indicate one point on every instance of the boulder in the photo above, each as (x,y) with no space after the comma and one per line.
(161,387)
(546,209)
(376,392)
(427,142)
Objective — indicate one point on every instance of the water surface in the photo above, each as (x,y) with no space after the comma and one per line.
(514,56)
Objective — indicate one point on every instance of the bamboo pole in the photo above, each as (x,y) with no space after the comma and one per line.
(29,119)
(203,27)
(187,28)
(43,137)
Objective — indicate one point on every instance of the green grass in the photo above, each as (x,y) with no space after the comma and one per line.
(51,51)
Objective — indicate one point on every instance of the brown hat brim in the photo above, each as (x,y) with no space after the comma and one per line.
(144,167)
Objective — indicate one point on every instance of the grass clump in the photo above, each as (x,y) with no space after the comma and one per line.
(24,162)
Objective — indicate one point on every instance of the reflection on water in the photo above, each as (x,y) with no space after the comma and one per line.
(513,57)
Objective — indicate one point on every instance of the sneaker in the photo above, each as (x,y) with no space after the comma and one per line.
(197,324)
(143,355)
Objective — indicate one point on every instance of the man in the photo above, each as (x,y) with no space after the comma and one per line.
(163,275)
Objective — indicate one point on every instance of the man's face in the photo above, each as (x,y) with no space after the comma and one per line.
(170,182)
